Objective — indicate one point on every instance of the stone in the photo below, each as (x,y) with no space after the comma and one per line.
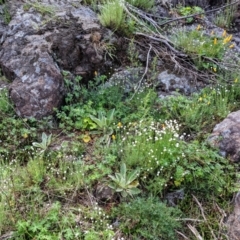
(170,82)
(36,46)
(129,79)
(226,136)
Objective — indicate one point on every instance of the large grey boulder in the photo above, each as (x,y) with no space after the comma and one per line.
(42,39)
(226,136)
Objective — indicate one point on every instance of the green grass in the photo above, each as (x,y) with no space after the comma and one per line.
(224,18)
(203,48)
(49,175)
(146,5)
(112,14)
(41,8)
(105,165)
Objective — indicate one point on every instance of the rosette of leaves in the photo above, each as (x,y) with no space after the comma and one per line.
(104,124)
(124,183)
(46,141)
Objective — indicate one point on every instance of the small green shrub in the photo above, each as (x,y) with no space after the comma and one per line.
(147,218)
(16,136)
(82,102)
(155,149)
(77,116)
(86,101)
(203,171)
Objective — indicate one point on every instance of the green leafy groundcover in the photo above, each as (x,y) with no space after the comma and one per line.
(135,146)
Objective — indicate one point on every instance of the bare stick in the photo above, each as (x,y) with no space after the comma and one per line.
(195,232)
(204,217)
(159,38)
(223,215)
(145,72)
(181,234)
(162,39)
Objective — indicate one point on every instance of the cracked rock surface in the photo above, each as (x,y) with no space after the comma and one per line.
(39,42)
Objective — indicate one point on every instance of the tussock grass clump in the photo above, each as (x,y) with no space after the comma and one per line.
(112,14)
(224,18)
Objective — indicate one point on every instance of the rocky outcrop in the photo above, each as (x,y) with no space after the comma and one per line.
(41,40)
(48,36)
(226,136)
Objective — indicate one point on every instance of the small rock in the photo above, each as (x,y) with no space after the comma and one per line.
(169,82)
(129,79)
(226,136)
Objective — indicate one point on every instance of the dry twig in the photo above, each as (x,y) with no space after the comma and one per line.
(182,235)
(145,72)
(195,232)
(204,217)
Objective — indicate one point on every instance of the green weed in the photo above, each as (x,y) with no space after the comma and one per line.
(125,184)
(52,225)
(46,141)
(185,11)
